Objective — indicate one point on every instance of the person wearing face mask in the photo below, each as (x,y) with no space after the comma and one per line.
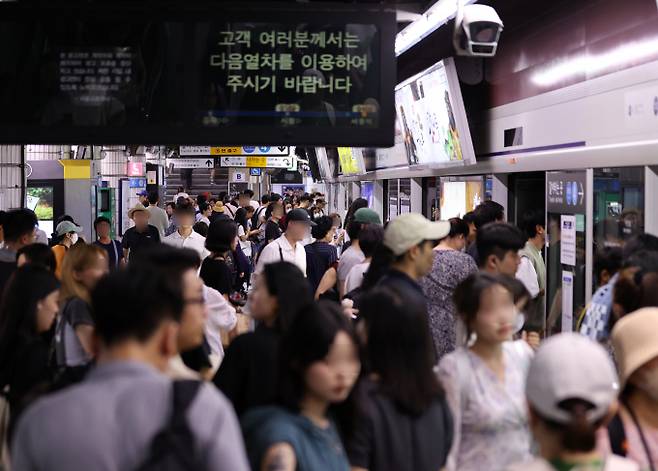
(318,367)
(67,234)
(185,236)
(633,432)
(28,311)
(84,265)
(485,380)
(532,269)
(451,266)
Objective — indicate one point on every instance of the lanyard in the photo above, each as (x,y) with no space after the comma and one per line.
(645,444)
(116,254)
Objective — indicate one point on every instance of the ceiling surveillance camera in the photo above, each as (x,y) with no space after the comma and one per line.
(477,30)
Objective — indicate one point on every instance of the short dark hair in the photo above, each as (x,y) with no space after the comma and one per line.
(133,304)
(287,283)
(305,197)
(185,208)
(100,219)
(249,193)
(201,228)
(469,217)
(638,243)
(400,350)
(39,254)
(221,234)
(607,258)
(468,294)
(167,259)
(19,222)
(354,229)
(172,204)
(274,197)
(458,226)
(265,199)
(322,227)
(498,238)
(530,220)
(486,212)
(320,201)
(370,237)
(204,206)
(154,197)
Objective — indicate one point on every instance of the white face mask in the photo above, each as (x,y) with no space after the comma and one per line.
(74,238)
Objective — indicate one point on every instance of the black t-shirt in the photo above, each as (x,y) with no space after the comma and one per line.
(217,274)
(388,438)
(114,252)
(134,241)
(272,231)
(248,374)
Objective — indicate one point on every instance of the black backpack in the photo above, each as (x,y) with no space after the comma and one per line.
(173,448)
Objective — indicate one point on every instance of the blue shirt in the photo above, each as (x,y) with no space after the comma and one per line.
(596,322)
(315,448)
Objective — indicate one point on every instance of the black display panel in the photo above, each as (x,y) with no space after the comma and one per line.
(192,73)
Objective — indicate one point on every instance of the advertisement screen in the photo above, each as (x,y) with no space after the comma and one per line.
(431,119)
(459,198)
(185,72)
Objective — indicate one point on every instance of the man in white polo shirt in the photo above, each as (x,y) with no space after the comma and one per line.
(289,246)
(185,236)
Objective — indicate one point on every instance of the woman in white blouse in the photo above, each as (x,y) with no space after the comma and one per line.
(485,382)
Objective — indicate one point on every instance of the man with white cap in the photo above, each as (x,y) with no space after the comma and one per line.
(411,238)
(572,392)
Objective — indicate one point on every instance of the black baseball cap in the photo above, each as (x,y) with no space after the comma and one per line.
(300,215)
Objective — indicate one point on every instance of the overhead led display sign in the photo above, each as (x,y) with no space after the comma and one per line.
(202,73)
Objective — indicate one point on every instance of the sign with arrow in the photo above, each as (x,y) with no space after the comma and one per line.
(191,163)
(566,192)
(260,162)
(263,151)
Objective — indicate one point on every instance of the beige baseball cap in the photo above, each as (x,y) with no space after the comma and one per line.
(634,341)
(411,229)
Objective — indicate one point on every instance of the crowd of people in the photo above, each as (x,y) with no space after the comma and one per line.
(233,334)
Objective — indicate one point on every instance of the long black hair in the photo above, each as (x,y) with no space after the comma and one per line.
(309,340)
(381,263)
(287,283)
(18,325)
(400,350)
(241,219)
(356,205)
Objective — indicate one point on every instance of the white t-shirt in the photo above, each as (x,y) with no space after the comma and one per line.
(280,250)
(528,276)
(348,259)
(194,241)
(221,317)
(355,276)
(244,245)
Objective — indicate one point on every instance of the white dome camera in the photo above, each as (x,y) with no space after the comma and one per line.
(477,30)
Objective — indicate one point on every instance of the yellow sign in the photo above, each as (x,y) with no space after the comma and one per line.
(256,162)
(347,161)
(225,150)
(76,169)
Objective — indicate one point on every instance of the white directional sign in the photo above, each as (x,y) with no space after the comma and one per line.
(261,162)
(191,163)
(246,151)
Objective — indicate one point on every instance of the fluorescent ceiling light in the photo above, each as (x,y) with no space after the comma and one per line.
(436,16)
(586,64)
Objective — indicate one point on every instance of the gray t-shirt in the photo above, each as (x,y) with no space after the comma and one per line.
(68,348)
(351,257)
(107,423)
(159,219)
